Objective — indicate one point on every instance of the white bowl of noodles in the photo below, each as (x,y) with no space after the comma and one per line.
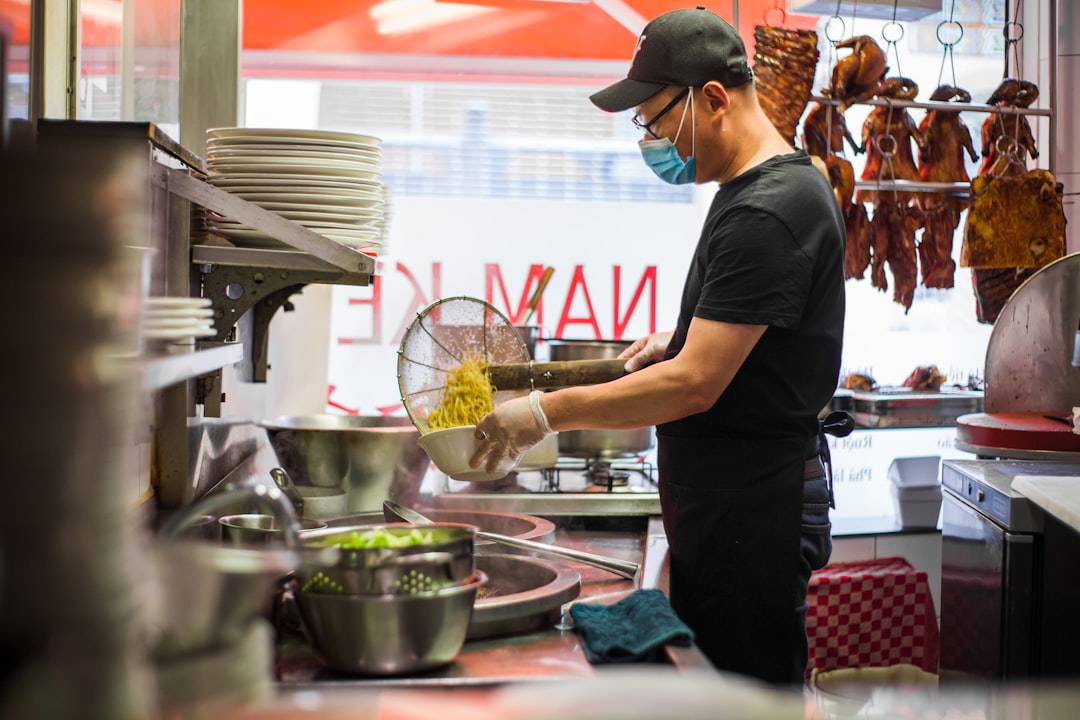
(450,450)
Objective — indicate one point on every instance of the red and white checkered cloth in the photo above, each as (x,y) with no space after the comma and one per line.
(873,613)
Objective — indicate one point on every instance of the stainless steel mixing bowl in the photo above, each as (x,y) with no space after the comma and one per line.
(257,529)
(373,458)
(390,634)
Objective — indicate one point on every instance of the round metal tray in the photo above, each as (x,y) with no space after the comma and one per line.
(523,594)
(524,527)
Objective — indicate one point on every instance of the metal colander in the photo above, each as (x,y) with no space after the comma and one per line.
(440,338)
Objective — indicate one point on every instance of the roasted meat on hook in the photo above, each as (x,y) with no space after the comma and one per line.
(784,65)
(942,160)
(887,135)
(1006,138)
(825,130)
(893,242)
(855,77)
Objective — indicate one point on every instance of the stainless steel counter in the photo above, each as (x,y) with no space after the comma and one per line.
(550,654)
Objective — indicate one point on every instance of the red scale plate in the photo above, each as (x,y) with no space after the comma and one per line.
(1018,434)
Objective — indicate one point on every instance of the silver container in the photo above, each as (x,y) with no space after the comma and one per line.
(372,458)
(256,529)
(205,597)
(598,444)
(390,634)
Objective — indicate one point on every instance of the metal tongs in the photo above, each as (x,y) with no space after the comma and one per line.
(623,568)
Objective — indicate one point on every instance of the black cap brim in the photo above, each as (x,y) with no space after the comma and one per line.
(625,94)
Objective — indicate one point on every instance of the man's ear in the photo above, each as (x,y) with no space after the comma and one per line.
(716,96)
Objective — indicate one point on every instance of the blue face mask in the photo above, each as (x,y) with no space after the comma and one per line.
(662,157)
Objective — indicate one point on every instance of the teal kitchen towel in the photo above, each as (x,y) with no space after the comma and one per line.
(634,629)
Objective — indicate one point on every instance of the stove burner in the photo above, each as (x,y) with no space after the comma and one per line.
(601,473)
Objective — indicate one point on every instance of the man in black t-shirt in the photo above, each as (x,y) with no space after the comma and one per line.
(736,389)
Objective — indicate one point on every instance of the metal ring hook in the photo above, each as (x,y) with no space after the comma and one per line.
(885,31)
(887,151)
(768,13)
(1013,25)
(945,25)
(830,35)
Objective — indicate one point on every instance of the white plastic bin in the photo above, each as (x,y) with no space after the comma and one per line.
(909,472)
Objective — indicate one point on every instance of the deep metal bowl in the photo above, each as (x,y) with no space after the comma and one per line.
(372,458)
(257,529)
(204,596)
(389,634)
(449,558)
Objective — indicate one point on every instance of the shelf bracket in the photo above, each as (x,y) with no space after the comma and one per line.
(235,290)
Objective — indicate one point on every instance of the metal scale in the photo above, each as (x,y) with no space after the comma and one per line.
(1032,372)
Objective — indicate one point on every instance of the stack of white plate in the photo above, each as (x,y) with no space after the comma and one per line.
(177,319)
(324,180)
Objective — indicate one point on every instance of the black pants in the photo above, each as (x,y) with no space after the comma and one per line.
(733,512)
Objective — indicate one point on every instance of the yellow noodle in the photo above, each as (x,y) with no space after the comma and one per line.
(467,397)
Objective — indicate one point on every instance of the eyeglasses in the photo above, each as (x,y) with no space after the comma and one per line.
(647,127)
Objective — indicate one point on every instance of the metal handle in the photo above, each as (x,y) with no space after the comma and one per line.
(283,481)
(535,299)
(623,568)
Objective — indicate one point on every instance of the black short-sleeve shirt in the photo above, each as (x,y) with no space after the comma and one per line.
(771,253)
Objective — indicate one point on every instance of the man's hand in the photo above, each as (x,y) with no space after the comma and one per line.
(646,350)
(509,430)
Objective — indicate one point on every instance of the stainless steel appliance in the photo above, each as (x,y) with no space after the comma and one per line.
(1031,383)
(577,487)
(1002,596)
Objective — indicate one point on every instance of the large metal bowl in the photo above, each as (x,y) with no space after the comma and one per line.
(373,458)
(389,634)
(204,596)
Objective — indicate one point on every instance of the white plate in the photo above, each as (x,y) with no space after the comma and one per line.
(178,333)
(258,180)
(342,236)
(292,134)
(305,214)
(350,200)
(176,312)
(293,208)
(315,224)
(307,170)
(174,322)
(288,161)
(162,301)
(249,151)
(294,143)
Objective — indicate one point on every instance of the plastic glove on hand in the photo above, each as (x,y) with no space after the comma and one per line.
(646,350)
(509,430)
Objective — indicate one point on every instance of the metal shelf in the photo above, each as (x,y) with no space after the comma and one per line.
(342,259)
(959,189)
(166,370)
(934,105)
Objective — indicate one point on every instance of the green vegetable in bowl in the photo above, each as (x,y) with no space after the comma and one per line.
(380,537)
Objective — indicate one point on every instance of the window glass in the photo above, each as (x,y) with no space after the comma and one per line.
(482,148)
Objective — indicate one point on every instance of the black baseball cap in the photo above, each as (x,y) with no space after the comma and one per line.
(682,47)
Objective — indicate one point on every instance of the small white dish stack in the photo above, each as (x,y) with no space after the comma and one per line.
(327,181)
(177,319)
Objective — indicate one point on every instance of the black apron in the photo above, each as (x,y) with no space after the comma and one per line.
(732,511)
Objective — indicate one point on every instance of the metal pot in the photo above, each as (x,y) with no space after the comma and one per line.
(372,458)
(598,444)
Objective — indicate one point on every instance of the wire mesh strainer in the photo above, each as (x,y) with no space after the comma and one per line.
(440,338)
